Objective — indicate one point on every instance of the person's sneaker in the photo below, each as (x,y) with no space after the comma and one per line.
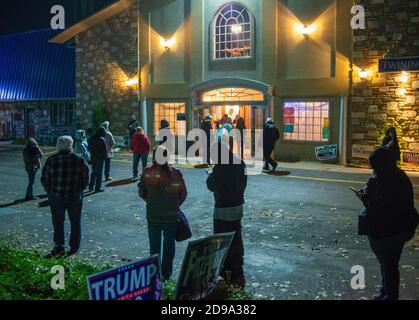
(91,189)
(379,296)
(274,167)
(31,198)
(99,191)
(57,252)
(109,179)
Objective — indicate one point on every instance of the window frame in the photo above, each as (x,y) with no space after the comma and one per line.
(213,36)
(169,101)
(331,103)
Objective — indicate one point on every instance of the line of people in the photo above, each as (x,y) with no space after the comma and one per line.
(390,218)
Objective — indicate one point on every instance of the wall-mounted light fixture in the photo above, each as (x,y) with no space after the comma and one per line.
(167,43)
(363,74)
(305,30)
(132,82)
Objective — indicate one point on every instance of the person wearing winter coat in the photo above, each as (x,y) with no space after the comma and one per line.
(206,127)
(140,146)
(163,189)
(390,218)
(81,145)
(31,156)
(270,137)
(241,126)
(391,143)
(228,182)
(110,143)
(99,153)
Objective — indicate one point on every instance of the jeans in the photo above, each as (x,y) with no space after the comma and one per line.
(155,232)
(234,261)
(268,159)
(73,205)
(136,160)
(31,181)
(107,168)
(96,175)
(388,252)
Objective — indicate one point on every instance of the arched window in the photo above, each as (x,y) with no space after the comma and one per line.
(232,33)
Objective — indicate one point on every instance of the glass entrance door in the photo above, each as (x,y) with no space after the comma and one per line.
(254,118)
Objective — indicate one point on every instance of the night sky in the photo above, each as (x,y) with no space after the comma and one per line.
(26,15)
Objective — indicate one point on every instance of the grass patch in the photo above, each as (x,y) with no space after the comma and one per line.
(26,275)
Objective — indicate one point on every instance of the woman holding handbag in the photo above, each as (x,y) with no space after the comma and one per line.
(164,191)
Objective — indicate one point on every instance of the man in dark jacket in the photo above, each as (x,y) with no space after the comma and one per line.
(31,156)
(391,218)
(206,127)
(98,152)
(270,137)
(228,183)
(64,177)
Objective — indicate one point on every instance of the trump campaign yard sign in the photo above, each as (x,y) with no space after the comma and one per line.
(139,280)
(202,265)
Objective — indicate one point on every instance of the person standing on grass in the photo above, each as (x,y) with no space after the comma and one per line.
(110,143)
(99,153)
(270,137)
(163,189)
(140,146)
(228,182)
(64,177)
(32,155)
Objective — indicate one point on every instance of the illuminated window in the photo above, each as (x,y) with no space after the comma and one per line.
(172,112)
(232,95)
(306,121)
(232,34)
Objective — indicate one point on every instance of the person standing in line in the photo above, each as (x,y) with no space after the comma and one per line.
(132,127)
(163,189)
(32,155)
(389,218)
(391,143)
(241,126)
(110,143)
(64,177)
(81,146)
(99,153)
(140,146)
(228,182)
(270,137)
(206,127)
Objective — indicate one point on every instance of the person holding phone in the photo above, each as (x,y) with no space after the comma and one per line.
(390,218)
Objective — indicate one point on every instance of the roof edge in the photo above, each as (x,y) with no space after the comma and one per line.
(92,20)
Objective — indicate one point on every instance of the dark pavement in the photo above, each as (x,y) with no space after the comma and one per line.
(300,230)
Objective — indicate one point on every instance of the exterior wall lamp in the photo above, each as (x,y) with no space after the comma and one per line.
(132,82)
(363,74)
(167,44)
(305,30)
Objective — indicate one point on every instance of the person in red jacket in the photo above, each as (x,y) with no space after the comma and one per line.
(140,146)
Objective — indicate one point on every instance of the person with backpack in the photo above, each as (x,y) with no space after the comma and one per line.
(270,137)
(99,153)
(31,156)
(140,146)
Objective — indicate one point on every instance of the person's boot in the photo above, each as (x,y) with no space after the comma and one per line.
(57,252)
(380,295)
(274,167)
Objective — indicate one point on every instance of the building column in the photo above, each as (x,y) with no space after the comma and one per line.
(343,132)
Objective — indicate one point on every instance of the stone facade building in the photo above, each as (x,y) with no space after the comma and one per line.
(386,99)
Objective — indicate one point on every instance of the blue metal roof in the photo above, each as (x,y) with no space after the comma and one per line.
(31,68)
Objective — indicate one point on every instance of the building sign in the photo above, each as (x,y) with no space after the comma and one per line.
(362,151)
(411,157)
(202,265)
(139,280)
(328,152)
(398,64)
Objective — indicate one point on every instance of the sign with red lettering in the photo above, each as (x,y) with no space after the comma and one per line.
(411,157)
